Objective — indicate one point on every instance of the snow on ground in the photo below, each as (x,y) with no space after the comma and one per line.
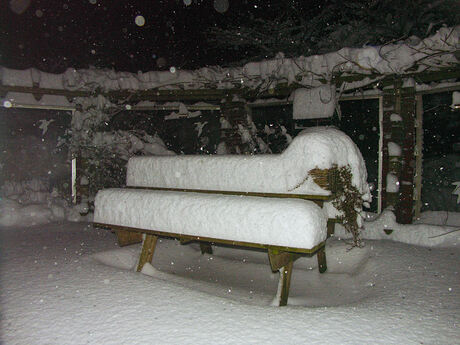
(30,203)
(67,283)
(433,229)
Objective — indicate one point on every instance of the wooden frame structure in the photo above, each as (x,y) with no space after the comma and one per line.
(281,258)
(406,101)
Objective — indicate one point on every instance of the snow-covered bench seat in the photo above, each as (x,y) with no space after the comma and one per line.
(261,201)
(293,172)
(287,228)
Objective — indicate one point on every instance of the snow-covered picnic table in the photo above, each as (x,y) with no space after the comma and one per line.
(262,201)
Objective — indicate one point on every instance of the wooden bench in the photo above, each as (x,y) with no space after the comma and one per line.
(147,215)
(199,178)
(281,258)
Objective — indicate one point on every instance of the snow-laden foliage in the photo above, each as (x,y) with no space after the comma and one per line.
(349,202)
(367,65)
(298,28)
(102,152)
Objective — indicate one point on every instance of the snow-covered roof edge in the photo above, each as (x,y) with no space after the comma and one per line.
(411,56)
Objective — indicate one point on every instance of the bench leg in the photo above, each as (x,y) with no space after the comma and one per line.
(206,248)
(148,249)
(330,227)
(321,255)
(128,237)
(285,283)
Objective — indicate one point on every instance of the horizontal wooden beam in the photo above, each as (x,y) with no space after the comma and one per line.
(45,91)
(185,237)
(280,90)
(224,192)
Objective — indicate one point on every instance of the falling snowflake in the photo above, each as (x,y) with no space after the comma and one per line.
(139,20)
(221,6)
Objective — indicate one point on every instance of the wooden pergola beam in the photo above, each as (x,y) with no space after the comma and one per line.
(281,90)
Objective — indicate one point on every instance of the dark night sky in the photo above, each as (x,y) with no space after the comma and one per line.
(55,34)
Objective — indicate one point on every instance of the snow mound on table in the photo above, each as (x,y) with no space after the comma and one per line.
(319,147)
(281,222)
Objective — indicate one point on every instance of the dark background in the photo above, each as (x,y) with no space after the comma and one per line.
(52,35)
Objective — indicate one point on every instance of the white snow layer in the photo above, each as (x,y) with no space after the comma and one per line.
(30,203)
(394,149)
(315,103)
(435,51)
(455,100)
(392,183)
(434,229)
(395,118)
(282,222)
(70,284)
(318,147)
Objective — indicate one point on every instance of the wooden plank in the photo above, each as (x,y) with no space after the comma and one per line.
(285,277)
(224,192)
(148,249)
(128,237)
(210,93)
(307,251)
(322,264)
(184,241)
(45,91)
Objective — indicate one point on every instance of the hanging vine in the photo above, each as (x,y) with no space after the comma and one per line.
(348,200)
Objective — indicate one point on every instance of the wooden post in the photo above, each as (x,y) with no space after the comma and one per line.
(322,264)
(236,114)
(330,227)
(285,277)
(206,248)
(282,262)
(399,127)
(404,213)
(418,155)
(148,249)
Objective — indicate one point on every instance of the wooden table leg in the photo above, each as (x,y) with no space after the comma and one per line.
(285,276)
(321,255)
(330,227)
(206,248)
(148,249)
